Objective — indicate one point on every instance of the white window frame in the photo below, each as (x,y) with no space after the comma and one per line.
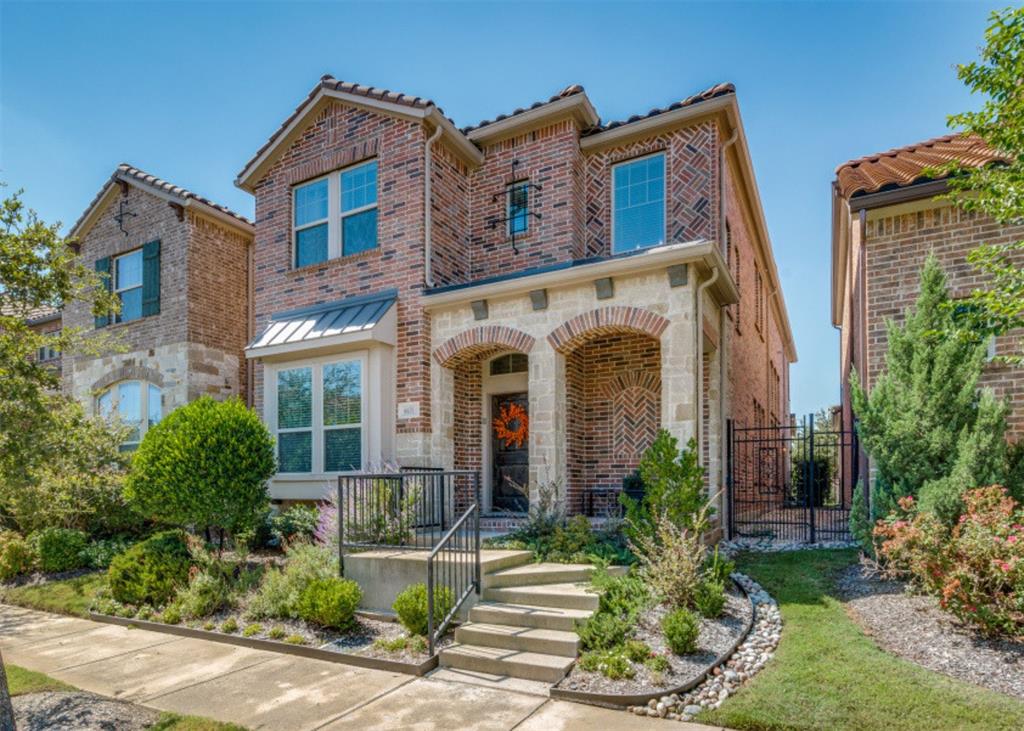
(664,200)
(335,219)
(114,390)
(119,290)
(317,425)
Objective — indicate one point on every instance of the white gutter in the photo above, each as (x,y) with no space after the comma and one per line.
(698,352)
(723,368)
(428,161)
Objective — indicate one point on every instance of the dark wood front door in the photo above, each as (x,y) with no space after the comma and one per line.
(510,463)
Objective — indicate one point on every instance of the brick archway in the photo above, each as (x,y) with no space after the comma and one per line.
(472,344)
(606,321)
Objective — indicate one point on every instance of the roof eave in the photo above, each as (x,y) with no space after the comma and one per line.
(578,105)
(642,127)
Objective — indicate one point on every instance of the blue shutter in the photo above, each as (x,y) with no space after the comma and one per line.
(151,278)
(103,267)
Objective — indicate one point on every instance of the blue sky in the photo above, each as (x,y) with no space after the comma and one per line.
(189,91)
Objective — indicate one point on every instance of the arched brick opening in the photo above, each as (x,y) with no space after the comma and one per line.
(474,344)
(129,373)
(613,399)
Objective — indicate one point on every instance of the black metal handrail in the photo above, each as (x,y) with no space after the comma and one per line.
(455,560)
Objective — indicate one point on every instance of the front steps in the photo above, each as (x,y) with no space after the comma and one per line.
(525,625)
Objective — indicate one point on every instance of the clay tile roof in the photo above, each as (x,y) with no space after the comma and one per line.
(903,166)
(568,91)
(715,91)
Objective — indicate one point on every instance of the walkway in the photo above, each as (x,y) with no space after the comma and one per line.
(265,690)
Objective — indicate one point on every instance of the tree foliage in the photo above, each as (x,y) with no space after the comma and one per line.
(205,465)
(995,190)
(925,420)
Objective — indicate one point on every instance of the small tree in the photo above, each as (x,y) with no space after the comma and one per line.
(926,403)
(673,486)
(205,465)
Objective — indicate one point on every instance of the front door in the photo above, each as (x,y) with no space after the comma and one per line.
(510,462)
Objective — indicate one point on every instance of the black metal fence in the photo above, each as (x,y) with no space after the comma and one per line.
(791,482)
(418,510)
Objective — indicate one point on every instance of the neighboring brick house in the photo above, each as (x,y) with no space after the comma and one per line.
(414,282)
(45,321)
(885,222)
(181,267)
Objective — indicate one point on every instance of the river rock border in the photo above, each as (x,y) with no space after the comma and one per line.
(766,544)
(749,657)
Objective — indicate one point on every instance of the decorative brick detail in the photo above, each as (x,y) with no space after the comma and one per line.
(129,372)
(472,344)
(606,321)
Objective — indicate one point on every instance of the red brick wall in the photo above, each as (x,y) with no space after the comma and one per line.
(614,409)
(340,136)
(450,197)
(896,249)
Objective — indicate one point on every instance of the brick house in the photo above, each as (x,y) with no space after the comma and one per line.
(180,265)
(581,283)
(885,221)
(47,321)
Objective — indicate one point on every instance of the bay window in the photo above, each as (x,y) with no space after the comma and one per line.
(335,215)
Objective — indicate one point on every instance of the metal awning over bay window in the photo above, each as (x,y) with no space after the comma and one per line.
(333,325)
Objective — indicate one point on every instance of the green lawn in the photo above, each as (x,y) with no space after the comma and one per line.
(827,674)
(22,681)
(68,596)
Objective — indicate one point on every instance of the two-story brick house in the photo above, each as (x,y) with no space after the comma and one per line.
(180,265)
(531,297)
(886,220)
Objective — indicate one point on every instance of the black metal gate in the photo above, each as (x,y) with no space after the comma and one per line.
(792,482)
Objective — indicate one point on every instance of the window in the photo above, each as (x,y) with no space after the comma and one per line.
(638,203)
(128,285)
(518,214)
(48,352)
(136,404)
(320,417)
(336,215)
(759,301)
(511,363)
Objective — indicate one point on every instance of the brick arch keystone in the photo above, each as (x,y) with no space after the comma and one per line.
(606,321)
(471,344)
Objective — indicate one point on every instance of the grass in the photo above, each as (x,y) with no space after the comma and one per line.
(67,596)
(174,722)
(827,674)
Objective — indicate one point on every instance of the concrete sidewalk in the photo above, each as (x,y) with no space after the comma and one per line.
(265,690)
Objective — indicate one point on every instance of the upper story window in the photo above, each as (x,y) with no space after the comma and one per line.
(319,417)
(638,203)
(128,285)
(336,215)
(134,278)
(518,214)
(48,352)
(137,404)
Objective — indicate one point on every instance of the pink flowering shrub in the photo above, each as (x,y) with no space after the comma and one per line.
(976,569)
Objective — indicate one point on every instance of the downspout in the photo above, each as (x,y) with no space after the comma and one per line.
(699,365)
(428,249)
(723,364)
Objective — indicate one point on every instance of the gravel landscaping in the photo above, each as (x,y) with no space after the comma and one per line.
(716,637)
(914,628)
(80,711)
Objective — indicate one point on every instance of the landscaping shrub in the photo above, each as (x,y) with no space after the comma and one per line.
(99,554)
(681,628)
(976,569)
(252,630)
(205,464)
(672,557)
(59,549)
(637,651)
(411,607)
(298,522)
(205,594)
(229,626)
(613,664)
(709,599)
(16,555)
(171,615)
(718,568)
(152,571)
(279,592)
(330,602)
(623,598)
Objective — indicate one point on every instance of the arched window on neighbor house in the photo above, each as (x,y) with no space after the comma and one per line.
(136,404)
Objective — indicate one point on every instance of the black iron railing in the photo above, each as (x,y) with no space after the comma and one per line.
(418,510)
(453,573)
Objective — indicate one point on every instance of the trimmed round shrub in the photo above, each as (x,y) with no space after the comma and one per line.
(411,607)
(60,549)
(206,465)
(681,628)
(16,555)
(710,599)
(330,602)
(151,572)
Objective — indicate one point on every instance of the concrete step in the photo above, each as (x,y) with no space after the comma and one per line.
(520,639)
(523,615)
(545,573)
(497,661)
(563,596)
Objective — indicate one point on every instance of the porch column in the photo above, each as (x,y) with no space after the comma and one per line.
(547,416)
(442,416)
(678,375)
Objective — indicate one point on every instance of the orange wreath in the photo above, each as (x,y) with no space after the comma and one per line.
(512,425)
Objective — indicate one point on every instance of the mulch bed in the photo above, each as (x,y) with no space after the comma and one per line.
(914,628)
(716,636)
(80,711)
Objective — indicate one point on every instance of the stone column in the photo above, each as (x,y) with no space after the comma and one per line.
(547,416)
(678,374)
